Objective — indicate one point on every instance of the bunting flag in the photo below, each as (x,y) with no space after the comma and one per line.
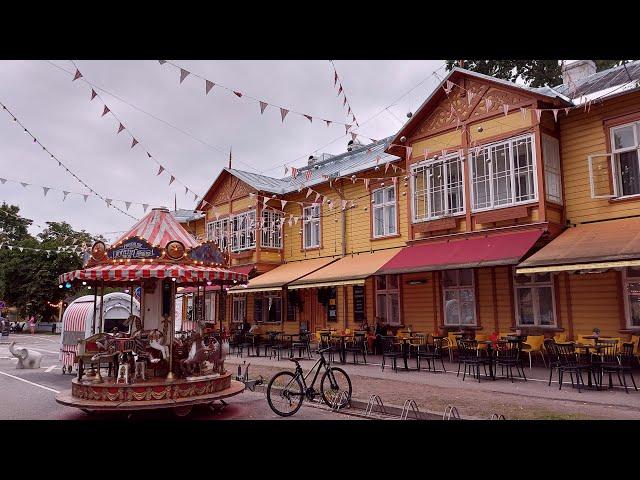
(386,167)
(3,180)
(186,190)
(426,153)
(134,143)
(470,96)
(64,193)
(328,122)
(335,78)
(120,127)
(77,75)
(488,103)
(283,113)
(309,192)
(309,117)
(105,111)
(294,172)
(377,159)
(171,180)
(286,169)
(308,174)
(566,110)
(409,152)
(93,94)
(367,181)
(208,85)
(283,203)
(85,197)
(263,106)
(144,207)
(344,102)
(343,203)
(555,114)
(160,170)
(346,128)
(448,87)
(505,108)
(317,197)
(127,205)
(238,94)
(340,90)
(183,74)
(538,114)
(46,190)
(162,62)
(523,111)
(108,201)
(195,197)
(354,136)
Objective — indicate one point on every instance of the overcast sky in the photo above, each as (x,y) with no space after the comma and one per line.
(58,112)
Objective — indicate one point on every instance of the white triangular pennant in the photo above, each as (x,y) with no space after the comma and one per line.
(505,109)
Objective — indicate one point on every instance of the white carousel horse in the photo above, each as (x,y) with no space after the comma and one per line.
(155,337)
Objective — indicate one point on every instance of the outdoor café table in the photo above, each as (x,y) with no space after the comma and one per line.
(255,339)
(406,342)
(343,345)
(489,344)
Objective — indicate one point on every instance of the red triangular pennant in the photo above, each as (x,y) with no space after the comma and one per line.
(208,85)
(77,75)
(283,113)
(309,117)
(183,74)
(134,143)
(120,128)
(93,94)
(238,94)
(105,111)
(263,105)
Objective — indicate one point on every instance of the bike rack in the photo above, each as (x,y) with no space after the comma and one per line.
(410,404)
(451,413)
(374,400)
(336,405)
(496,416)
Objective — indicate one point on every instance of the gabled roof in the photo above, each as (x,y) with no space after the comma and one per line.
(544,93)
(183,215)
(158,227)
(362,157)
(601,81)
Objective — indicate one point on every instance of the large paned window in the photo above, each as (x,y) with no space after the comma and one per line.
(218,231)
(384,212)
(243,228)
(504,174)
(267,309)
(438,188)
(631,285)
(534,300)
(625,144)
(239,313)
(271,231)
(459,297)
(311,226)
(388,298)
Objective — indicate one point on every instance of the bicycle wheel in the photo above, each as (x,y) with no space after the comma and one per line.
(285,394)
(334,382)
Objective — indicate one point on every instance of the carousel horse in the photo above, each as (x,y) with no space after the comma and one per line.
(198,354)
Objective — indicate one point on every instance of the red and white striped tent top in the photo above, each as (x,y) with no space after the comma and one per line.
(74,322)
(159,227)
(135,271)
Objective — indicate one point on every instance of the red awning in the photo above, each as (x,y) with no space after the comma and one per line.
(471,252)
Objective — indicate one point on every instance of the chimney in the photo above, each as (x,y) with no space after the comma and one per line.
(353,144)
(312,160)
(574,71)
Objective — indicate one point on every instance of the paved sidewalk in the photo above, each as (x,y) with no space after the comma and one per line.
(533,399)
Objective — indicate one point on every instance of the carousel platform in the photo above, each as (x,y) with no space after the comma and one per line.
(151,394)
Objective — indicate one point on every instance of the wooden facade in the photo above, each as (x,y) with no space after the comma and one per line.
(445,124)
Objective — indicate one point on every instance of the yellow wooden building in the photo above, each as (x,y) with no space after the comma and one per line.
(471,216)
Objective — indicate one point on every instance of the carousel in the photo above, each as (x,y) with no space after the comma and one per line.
(148,365)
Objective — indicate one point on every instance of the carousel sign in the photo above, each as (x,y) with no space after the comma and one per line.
(134,248)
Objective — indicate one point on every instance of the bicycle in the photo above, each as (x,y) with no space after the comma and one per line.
(287,390)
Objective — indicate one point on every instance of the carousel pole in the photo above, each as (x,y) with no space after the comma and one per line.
(98,377)
(142,303)
(95,307)
(131,304)
(221,313)
(172,326)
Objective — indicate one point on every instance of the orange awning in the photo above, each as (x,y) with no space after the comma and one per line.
(349,270)
(591,246)
(275,279)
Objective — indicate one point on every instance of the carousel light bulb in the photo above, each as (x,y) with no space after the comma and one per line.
(84,283)
(89,287)
(173,279)
(209,283)
(59,286)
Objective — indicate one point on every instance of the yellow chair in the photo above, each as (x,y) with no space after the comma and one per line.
(347,331)
(481,337)
(635,339)
(583,340)
(560,337)
(450,344)
(534,344)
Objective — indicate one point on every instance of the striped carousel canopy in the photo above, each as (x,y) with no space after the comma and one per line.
(136,271)
(159,227)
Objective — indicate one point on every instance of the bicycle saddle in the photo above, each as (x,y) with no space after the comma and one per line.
(295,359)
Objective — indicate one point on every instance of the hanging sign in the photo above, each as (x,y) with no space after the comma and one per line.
(133,248)
(207,252)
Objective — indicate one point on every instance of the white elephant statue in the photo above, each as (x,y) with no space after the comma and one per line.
(26,359)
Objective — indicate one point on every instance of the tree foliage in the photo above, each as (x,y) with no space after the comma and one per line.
(535,73)
(29,279)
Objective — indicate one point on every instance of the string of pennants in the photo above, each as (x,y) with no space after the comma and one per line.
(61,164)
(337,83)
(66,193)
(134,140)
(209,85)
(65,249)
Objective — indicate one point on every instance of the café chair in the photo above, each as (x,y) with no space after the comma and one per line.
(568,362)
(430,352)
(390,349)
(358,346)
(534,345)
(552,356)
(508,356)
(560,338)
(472,358)
(451,344)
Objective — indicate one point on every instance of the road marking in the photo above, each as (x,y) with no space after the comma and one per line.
(30,383)
(51,368)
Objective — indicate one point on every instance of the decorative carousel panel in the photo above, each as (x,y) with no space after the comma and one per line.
(133,248)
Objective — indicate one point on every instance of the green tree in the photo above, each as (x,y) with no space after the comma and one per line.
(535,73)
(28,278)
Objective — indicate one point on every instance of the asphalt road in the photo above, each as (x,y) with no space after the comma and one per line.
(29,394)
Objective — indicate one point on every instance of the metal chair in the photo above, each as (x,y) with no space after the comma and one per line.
(303,344)
(568,362)
(611,361)
(390,350)
(508,356)
(358,346)
(472,358)
(431,352)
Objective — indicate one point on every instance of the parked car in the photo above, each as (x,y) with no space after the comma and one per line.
(17,327)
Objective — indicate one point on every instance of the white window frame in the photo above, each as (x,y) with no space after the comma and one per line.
(552,171)
(271,233)
(311,215)
(615,170)
(265,308)
(387,292)
(243,238)
(218,231)
(425,167)
(385,206)
(626,279)
(239,309)
(488,148)
(458,287)
(534,285)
